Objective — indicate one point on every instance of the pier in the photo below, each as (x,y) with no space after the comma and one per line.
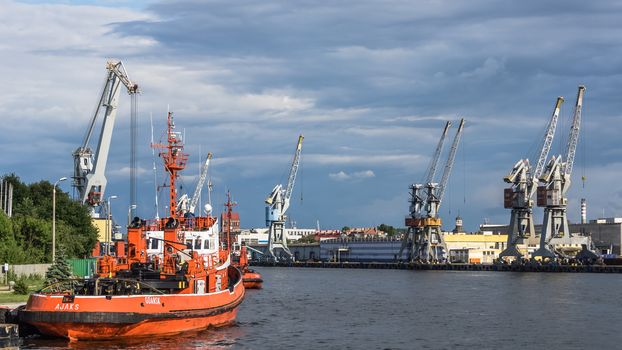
(448,267)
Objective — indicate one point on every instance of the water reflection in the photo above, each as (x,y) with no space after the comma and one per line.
(212,339)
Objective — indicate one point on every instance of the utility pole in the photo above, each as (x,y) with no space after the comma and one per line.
(54,218)
(109,225)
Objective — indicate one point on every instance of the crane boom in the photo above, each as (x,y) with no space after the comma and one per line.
(573,138)
(548,140)
(294,170)
(89,168)
(437,154)
(197,191)
(450,162)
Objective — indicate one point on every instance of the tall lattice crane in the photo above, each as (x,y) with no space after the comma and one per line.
(417,200)
(89,168)
(524,182)
(427,242)
(277,204)
(556,180)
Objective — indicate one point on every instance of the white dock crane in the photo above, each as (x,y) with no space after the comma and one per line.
(427,243)
(556,180)
(189,206)
(524,182)
(277,204)
(89,168)
(417,202)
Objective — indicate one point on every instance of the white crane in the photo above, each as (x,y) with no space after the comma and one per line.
(89,168)
(556,180)
(524,182)
(277,204)
(427,242)
(197,191)
(417,201)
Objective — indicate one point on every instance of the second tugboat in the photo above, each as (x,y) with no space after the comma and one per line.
(137,295)
(251,278)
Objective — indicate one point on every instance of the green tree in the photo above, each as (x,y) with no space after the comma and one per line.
(60,268)
(345,229)
(390,230)
(27,236)
(307,239)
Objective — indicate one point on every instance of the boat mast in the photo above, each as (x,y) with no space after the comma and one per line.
(174,161)
(229,206)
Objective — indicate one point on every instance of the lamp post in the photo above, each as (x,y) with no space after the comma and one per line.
(109,225)
(129,214)
(54,217)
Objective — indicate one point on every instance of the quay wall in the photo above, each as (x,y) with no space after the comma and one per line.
(447,267)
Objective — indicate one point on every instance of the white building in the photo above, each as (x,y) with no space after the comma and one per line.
(255,236)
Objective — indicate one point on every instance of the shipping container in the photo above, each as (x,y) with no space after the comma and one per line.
(83,267)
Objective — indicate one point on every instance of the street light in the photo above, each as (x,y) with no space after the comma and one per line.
(129,214)
(109,225)
(54,217)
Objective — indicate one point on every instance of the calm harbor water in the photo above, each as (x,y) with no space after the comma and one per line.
(400,309)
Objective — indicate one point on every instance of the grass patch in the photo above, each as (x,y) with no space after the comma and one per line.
(12,298)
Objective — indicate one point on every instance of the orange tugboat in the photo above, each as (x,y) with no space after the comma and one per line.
(239,257)
(251,278)
(137,295)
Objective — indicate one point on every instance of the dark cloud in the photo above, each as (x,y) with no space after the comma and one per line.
(369,84)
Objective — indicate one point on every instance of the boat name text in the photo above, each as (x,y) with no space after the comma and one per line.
(152,300)
(65,307)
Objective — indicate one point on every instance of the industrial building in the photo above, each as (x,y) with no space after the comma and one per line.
(260,235)
(606,233)
(361,249)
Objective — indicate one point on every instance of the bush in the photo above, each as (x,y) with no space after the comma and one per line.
(21,286)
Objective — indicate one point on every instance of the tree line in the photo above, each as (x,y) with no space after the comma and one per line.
(26,237)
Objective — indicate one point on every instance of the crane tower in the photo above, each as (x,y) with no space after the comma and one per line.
(556,180)
(89,177)
(524,182)
(277,204)
(424,229)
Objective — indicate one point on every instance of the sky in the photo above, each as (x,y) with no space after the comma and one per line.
(369,84)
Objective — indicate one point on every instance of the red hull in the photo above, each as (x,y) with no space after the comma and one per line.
(105,318)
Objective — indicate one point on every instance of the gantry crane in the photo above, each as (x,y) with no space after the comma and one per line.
(277,204)
(524,182)
(424,229)
(556,180)
(89,177)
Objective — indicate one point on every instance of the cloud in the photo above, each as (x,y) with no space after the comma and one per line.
(245,79)
(342,175)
